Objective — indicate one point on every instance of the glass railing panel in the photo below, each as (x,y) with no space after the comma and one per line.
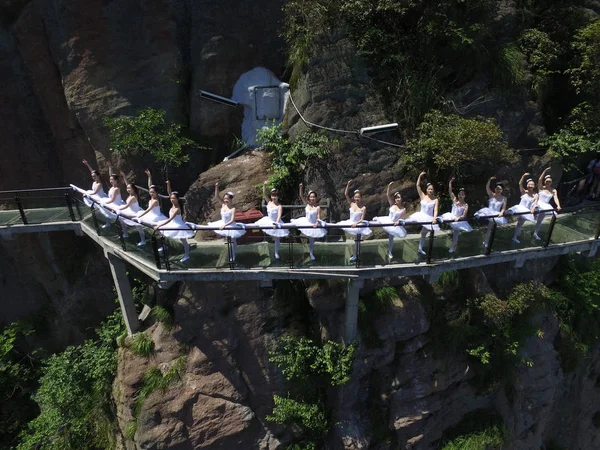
(578,225)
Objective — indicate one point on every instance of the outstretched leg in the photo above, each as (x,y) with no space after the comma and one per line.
(424,232)
(140,230)
(455,234)
(390,246)
(518,231)
(124,228)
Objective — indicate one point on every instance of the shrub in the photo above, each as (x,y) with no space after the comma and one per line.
(163,315)
(478,430)
(154,380)
(457,145)
(311,417)
(142,345)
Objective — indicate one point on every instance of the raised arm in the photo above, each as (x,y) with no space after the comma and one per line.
(169,190)
(267,199)
(489,191)
(419,190)
(217,198)
(87,165)
(389,195)
(541,178)
(301,194)
(149,175)
(348,199)
(521,181)
(451,190)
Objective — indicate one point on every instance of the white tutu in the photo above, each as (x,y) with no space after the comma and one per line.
(396,231)
(521,209)
(97,198)
(422,217)
(542,206)
(108,208)
(183,231)
(275,232)
(450,220)
(483,212)
(153,217)
(318,232)
(237,231)
(355,217)
(129,213)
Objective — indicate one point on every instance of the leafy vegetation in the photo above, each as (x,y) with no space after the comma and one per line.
(157,381)
(74,395)
(292,159)
(163,315)
(148,132)
(142,345)
(478,430)
(457,145)
(313,369)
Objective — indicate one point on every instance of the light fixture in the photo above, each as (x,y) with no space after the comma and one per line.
(378,128)
(217,98)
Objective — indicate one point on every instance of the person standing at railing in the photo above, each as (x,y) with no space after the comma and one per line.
(528,198)
(428,213)
(97,192)
(273,218)
(235,230)
(456,218)
(114,200)
(151,215)
(496,207)
(130,210)
(357,217)
(545,195)
(178,229)
(394,219)
(311,219)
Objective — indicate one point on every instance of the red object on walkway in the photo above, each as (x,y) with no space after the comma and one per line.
(250,216)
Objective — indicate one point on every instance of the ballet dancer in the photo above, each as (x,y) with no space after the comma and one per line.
(112,202)
(393,219)
(496,207)
(357,217)
(455,218)
(182,231)
(273,218)
(428,212)
(312,219)
(97,192)
(542,204)
(235,230)
(152,215)
(130,210)
(528,198)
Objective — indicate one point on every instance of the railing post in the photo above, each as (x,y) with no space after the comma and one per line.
(550,230)
(598,231)
(70,206)
(165,248)
(120,233)
(155,250)
(230,253)
(95,220)
(357,241)
(291,248)
(21,210)
(78,210)
(430,246)
(488,249)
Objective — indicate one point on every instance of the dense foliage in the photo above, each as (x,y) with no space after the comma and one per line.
(312,369)
(74,395)
(148,132)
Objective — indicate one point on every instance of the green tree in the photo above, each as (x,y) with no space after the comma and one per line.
(453,144)
(148,132)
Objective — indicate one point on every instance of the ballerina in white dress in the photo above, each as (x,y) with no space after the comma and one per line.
(112,202)
(496,207)
(235,230)
(357,218)
(273,218)
(311,219)
(428,212)
(129,211)
(542,204)
(528,198)
(455,218)
(152,215)
(178,229)
(393,219)
(97,193)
